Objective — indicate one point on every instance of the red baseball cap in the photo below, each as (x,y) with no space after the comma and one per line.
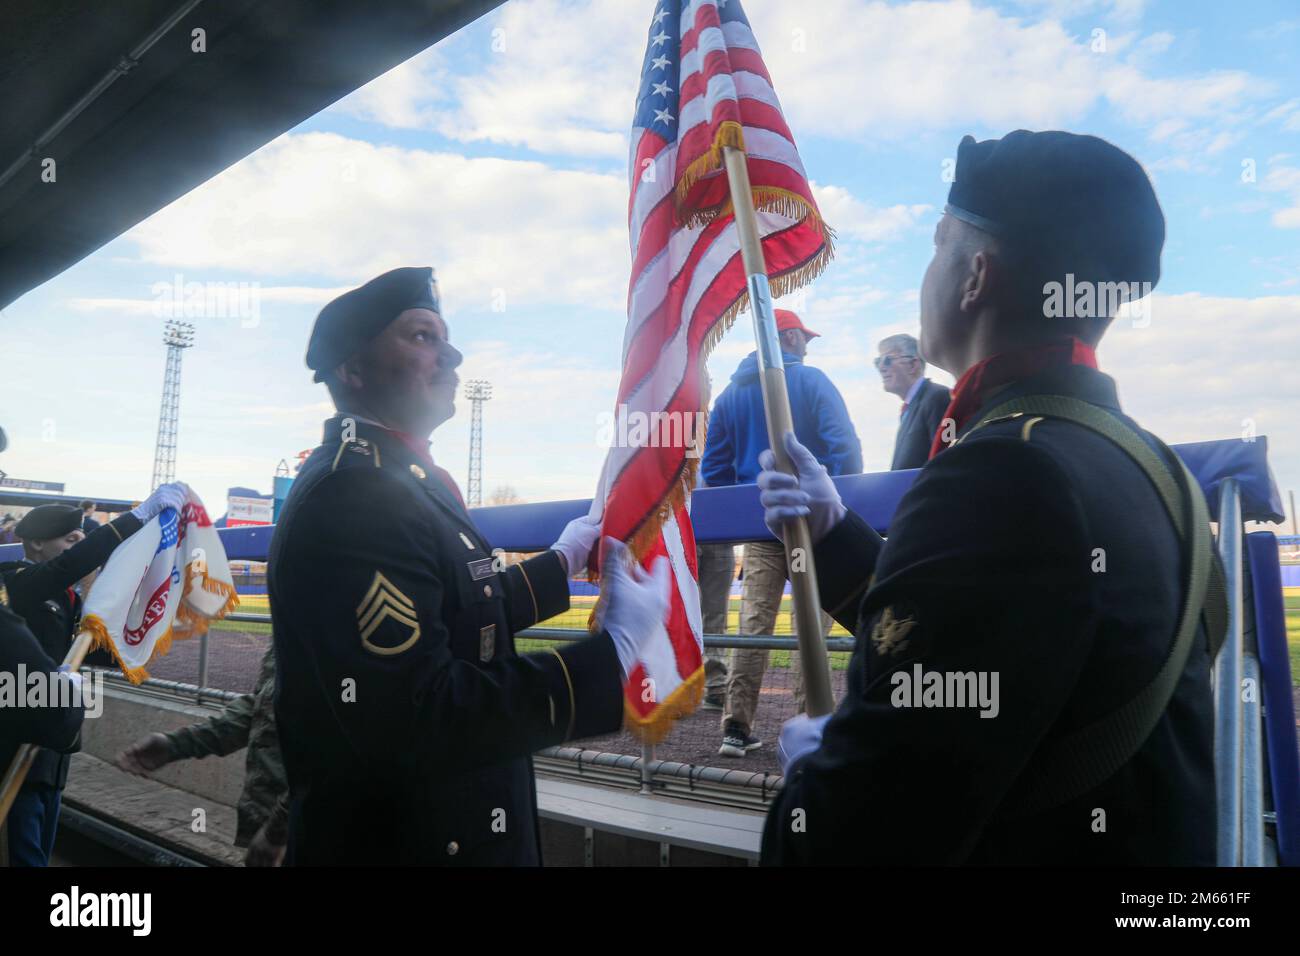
(787,320)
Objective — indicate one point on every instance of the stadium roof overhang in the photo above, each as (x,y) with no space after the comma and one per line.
(134,118)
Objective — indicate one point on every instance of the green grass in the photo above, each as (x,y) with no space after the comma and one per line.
(576,618)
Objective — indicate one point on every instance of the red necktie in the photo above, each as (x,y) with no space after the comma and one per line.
(903,411)
(421,451)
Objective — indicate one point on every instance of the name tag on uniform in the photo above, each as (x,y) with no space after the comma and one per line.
(480,569)
(487,642)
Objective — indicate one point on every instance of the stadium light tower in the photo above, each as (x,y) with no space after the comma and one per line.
(177,336)
(477,392)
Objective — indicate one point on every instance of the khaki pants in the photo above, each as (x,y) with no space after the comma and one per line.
(717,566)
(765,576)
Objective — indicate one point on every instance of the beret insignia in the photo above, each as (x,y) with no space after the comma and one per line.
(892,632)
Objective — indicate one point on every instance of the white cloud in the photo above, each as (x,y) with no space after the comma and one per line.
(162,305)
(854,219)
(900,69)
(323,204)
(1284,178)
(1123,11)
(544,84)
(1207,366)
(1287,114)
(405,97)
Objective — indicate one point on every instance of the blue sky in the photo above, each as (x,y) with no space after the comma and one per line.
(499,156)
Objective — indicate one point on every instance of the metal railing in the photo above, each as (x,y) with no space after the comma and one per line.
(758,642)
(1238,751)
(1238,755)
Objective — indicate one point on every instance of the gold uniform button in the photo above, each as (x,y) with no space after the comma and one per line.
(453,848)
(487,590)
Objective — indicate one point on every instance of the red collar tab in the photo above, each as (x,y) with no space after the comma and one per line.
(996,371)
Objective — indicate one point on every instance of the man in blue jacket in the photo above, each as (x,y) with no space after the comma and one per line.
(737,433)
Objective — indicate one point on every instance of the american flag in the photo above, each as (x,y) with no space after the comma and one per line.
(704,86)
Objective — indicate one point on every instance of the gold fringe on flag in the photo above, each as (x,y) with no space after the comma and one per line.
(99,641)
(193,624)
(730,134)
(682,702)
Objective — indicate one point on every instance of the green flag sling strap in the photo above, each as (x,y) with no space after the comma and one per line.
(1081,761)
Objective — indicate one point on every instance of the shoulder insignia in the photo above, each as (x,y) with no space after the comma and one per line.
(356,446)
(990,421)
(418,471)
(890,636)
(4,595)
(385,604)
(1028,427)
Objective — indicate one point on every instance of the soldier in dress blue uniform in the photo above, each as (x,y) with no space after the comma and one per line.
(57,554)
(1031,550)
(406,718)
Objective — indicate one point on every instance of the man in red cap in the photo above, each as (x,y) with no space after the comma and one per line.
(737,434)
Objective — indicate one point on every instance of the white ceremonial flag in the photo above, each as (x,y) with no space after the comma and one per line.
(166,582)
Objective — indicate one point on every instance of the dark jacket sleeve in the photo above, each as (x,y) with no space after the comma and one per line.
(363,585)
(718,467)
(52,726)
(986,572)
(536,590)
(844,450)
(40,582)
(846,563)
(937,399)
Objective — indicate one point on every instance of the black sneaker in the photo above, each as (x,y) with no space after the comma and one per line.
(712,702)
(737,741)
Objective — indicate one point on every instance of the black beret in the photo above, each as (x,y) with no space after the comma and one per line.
(46,522)
(1070,203)
(354,318)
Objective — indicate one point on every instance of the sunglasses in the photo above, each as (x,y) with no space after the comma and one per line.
(885,361)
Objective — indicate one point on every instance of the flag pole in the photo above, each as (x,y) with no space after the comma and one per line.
(23,759)
(776,404)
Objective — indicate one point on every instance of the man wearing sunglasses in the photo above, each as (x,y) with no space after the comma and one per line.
(902,372)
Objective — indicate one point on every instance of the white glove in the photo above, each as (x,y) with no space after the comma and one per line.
(811,495)
(576,541)
(171,495)
(73,677)
(800,736)
(635,602)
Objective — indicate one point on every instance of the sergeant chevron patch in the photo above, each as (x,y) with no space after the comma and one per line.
(387,618)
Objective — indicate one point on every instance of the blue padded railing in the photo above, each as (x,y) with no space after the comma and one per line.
(1279,705)
(734,515)
(1233,474)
